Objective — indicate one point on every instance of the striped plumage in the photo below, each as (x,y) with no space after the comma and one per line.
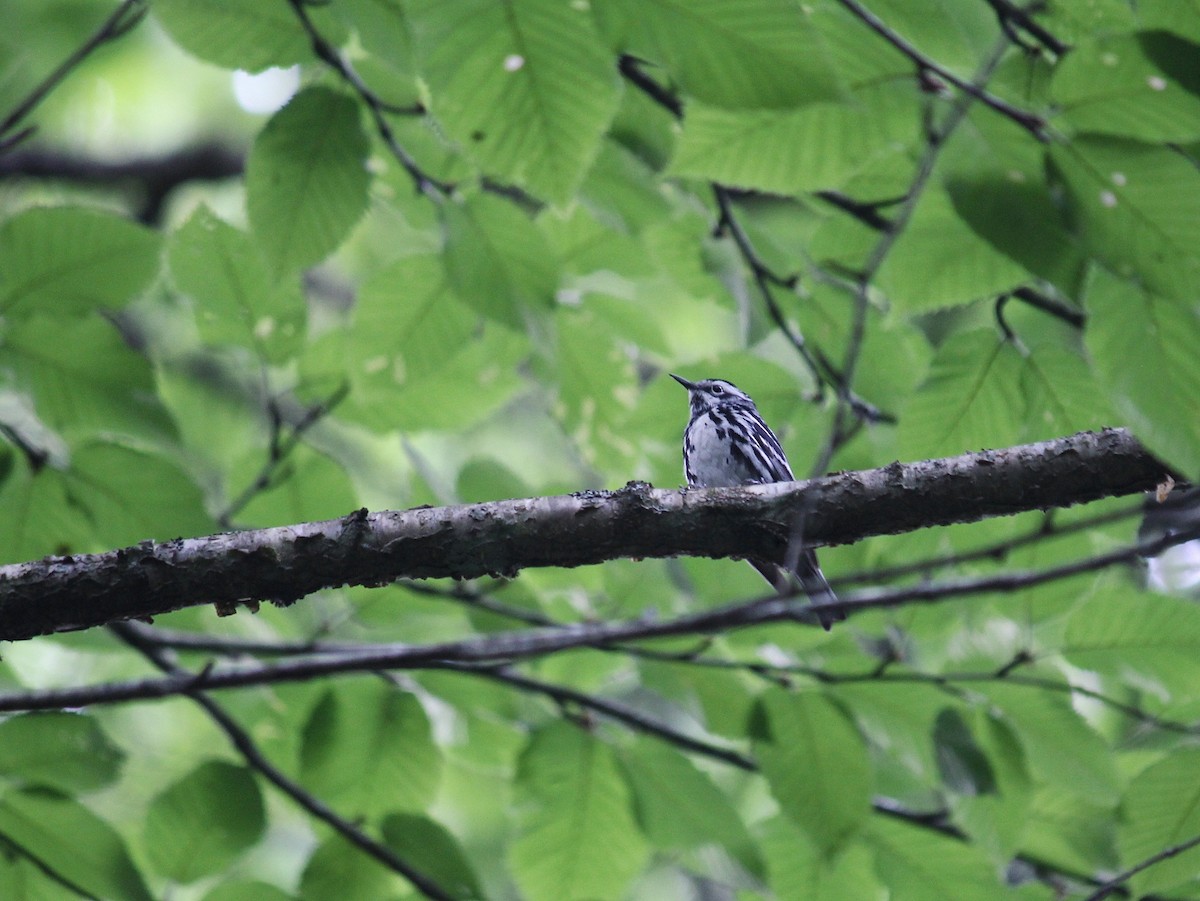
(726,443)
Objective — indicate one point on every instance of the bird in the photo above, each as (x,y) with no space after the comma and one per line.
(727,443)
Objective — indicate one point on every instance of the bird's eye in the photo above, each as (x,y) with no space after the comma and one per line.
(718,389)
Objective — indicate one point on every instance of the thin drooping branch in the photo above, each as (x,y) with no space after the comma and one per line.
(1031,122)
(285,563)
(258,761)
(122,20)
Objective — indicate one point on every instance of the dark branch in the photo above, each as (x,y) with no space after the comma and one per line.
(258,761)
(286,563)
(152,178)
(1031,122)
(123,19)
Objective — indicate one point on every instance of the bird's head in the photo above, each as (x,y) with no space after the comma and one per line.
(709,393)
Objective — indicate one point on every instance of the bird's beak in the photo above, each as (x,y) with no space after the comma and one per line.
(691,386)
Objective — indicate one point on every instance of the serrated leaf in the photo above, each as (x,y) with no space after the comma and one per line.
(306,178)
(83,378)
(1137,208)
(740,54)
(236,300)
(65,751)
(971,399)
(939,261)
(1128,85)
(37,517)
(680,808)
(337,870)
(924,865)
(67,260)
(1123,632)
(1061,748)
(816,765)
(1144,349)
(578,838)
(497,260)
(432,850)
(525,87)
(236,34)
(962,764)
(205,821)
(797,871)
(130,494)
(368,749)
(1161,809)
(818,146)
(73,842)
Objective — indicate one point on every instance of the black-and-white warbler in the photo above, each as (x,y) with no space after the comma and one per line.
(726,443)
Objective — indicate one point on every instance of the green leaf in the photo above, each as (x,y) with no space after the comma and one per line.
(1016,213)
(1137,635)
(432,850)
(1061,748)
(740,54)
(497,260)
(971,399)
(236,34)
(817,146)
(67,260)
(578,838)
(525,87)
(69,839)
(963,766)
(38,518)
(368,749)
(306,178)
(337,870)
(204,822)
(816,765)
(1062,394)
(679,807)
(1143,346)
(65,751)
(84,379)
(1137,208)
(797,871)
(924,865)
(997,822)
(235,297)
(1162,809)
(248,891)
(939,261)
(1140,86)
(406,324)
(131,494)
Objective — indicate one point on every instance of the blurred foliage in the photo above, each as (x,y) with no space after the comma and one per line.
(462,273)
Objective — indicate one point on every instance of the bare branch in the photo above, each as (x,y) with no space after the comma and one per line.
(258,761)
(1031,122)
(285,563)
(123,19)
(1117,883)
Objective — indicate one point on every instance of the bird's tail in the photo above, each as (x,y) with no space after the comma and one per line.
(812,581)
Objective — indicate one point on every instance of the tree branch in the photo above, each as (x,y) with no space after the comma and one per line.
(258,761)
(285,563)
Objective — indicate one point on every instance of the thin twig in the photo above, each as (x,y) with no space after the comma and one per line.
(123,20)
(1117,883)
(882,249)
(280,449)
(245,745)
(1031,122)
(327,53)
